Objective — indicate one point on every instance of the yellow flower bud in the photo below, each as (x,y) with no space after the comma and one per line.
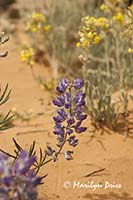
(34,29)
(119,17)
(42,87)
(102,7)
(130,50)
(78,44)
(97,39)
(92,20)
(47,28)
(90,35)
(85,43)
(50,86)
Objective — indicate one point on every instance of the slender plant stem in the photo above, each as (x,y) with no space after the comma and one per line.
(32,71)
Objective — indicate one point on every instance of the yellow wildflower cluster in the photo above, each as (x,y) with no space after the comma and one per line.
(112,7)
(128,27)
(92,30)
(119,17)
(27,55)
(48,85)
(37,23)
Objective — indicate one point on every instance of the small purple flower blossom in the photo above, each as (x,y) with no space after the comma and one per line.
(78,83)
(70,120)
(69,131)
(79,98)
(73,141)
(59,101)
(61,116)
(78,128)
(32,178)
(59,129)
(62,113)
(81,117)
(49,151)
(58,119)
(68,155)
(23,164)
(67,100)
(62,85)
(78,110)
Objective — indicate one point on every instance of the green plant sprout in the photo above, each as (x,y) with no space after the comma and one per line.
(5,121)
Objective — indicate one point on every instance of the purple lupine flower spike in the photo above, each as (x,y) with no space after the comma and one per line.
(69,118)
(17,180)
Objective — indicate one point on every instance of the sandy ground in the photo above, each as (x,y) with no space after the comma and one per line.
(64,178)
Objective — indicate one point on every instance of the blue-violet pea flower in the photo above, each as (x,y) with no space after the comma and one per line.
(73,141)
(67,99)
(61,116)
(70,120)
(59,129)
(68,155)
(79,98)
(24,162)
(59,101)
(78,83)
(62,85)
(81,117)
(69,131)
(49,151)
(78,128)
